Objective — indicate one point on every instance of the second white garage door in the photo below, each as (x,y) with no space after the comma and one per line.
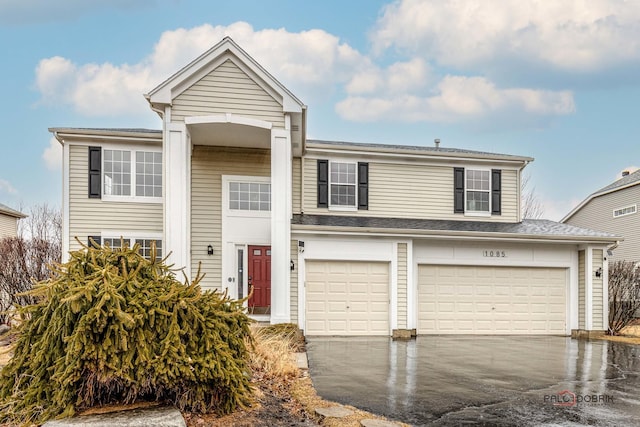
(491,300)
(347,298)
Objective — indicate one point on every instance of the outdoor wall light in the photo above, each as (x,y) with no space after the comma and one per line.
(209,250)
(598,272)
(292,265)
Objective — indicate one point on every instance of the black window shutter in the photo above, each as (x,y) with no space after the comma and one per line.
(95,172)
(323,183)
(363,185)
(97,239)
(458,190)
(496,191)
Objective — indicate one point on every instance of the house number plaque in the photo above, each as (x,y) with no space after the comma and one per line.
(494,254)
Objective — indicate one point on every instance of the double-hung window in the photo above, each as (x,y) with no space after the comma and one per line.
(342,184)
(133,174)
(478,190)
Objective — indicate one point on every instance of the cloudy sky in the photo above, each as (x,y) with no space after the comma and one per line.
(558,81)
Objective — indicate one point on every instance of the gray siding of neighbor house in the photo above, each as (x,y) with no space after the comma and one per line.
(8,226)
(227,89)
(402,190)
(89,217)
(208,164)
(597,214)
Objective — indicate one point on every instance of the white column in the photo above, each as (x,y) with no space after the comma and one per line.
(605,289)
(177,196)
(280,225)
(588,289)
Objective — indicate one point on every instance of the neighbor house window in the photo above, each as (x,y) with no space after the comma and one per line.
(144,248)
(133,173)
(627,210)
(342,184)
(478,190)
(249,196)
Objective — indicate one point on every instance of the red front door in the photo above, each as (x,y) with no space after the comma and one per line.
(260,276)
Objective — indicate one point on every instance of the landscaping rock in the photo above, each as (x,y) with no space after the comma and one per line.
(142,417)
(4,328)
(370,422)
(334,412)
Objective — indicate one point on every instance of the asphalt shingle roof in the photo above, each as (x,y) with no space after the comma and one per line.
(530,227)
(11,212)
(622,182)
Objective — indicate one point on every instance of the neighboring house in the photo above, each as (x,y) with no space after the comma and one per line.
(340,238)
(9,221)
(614,209)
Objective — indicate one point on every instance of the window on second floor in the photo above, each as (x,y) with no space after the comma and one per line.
(342,184)
(478,191)
(132,173)
(249,196)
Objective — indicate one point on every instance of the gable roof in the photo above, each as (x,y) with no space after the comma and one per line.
(625,182)
(180,81)
(6,210)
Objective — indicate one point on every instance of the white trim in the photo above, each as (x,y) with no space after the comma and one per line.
(593,196)
(228,118)
(402,159)
(605,290)
(301,287)
(635,210)
(393,288)
(573,297)
(66,203)
(412,288)
(130,234)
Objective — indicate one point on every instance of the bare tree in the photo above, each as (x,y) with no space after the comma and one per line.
(624,294)
(532,207)
(26,258)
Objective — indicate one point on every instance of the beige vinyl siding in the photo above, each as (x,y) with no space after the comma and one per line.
(597,214)
(227,89)
(596,292)
(402,286)
(405,190)
(8,226)
(581,289)
(296,183)
(208,164)
(294,282)
(89,217)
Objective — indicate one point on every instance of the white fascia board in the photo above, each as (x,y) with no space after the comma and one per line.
(228,118)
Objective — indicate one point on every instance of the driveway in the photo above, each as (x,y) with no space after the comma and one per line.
(449,380)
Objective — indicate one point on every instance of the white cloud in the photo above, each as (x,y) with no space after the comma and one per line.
(457,98)
(6,187)
(572,35)
(52,155)
(312,62)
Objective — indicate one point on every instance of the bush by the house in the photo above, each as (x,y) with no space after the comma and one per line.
(624,294)
(114,327)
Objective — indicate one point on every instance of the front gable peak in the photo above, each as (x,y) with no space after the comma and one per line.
(225,51)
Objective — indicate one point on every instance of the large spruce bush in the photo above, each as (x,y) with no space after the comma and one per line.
(114,327)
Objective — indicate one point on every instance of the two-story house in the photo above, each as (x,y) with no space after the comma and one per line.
(613,208)
(340,238)
(9,221)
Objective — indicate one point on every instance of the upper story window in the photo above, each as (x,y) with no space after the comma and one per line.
(627,210)
(342,184)
(478,183)
(249,196)
(477,192)
(133,174)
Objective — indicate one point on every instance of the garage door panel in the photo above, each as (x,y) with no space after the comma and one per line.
(491,300)
(354,294)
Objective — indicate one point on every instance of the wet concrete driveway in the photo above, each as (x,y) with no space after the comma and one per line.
(448,380)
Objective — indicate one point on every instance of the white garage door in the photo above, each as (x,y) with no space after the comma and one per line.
(347,298)
(491,300)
